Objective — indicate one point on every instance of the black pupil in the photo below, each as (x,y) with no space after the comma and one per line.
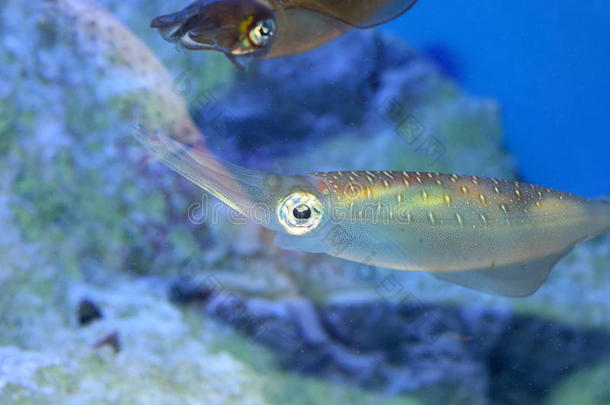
(301,212)
(264,30)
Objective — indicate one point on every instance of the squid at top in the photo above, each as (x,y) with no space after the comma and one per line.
(271,28)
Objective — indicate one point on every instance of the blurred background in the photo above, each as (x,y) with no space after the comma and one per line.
(545,65)
(122,283)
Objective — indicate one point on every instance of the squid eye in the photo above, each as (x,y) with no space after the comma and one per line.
(262,32)
(300,213)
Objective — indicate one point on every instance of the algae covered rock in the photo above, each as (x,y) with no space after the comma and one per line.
(589,386)
(126,357)
(137,349)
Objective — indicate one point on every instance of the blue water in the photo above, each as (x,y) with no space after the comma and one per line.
(547,63)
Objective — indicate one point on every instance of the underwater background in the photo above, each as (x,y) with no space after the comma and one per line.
(122,283)
(547,67)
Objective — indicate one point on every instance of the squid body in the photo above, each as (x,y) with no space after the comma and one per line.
(497,236)
(271,28)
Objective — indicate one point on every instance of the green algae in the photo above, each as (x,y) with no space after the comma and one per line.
(584,387)
(8,130)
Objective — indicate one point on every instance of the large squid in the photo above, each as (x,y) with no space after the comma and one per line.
(271,28)
(496,236)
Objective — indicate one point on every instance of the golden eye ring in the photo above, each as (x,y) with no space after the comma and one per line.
(262,32)
(300,213)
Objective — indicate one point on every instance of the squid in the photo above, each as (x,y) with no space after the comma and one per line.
(496,236)
(245,29)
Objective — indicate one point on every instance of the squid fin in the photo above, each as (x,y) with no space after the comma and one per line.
(360,13)
(518,279)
